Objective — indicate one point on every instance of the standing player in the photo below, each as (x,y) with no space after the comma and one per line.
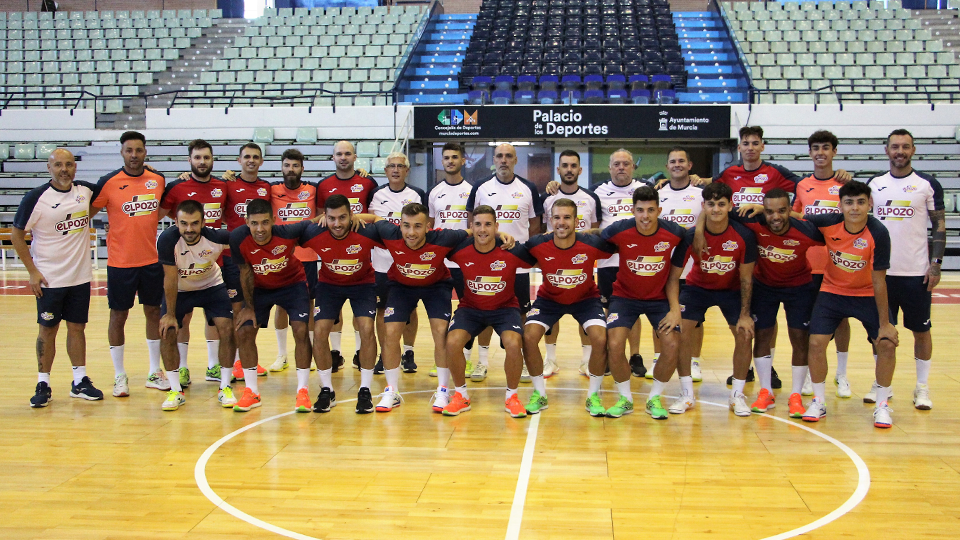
(131,196)
(566,260)
(358,190)
(518,206)
(820,194)
(489,300)
(587,217)
(904,200)
(647,284)
(387,202)
(722,276)
(57,214)
(192,279)
(854,285)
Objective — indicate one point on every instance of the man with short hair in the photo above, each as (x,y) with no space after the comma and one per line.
(57,215)
(587,217)
(192,279)
(131,197)
(904,200)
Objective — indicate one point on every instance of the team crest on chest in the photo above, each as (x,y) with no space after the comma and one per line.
(428,256)
(860,243)
(262,192)
(216,193)
(834,190)
(761,178)
(356,188)
(909,189)
(579,258)
(689,198)
(354,249)
(303,195)
(516,195)
(496,266)
(279,249)
(791,242)
(206,253)
(661,246)
(730,245)
(151,184)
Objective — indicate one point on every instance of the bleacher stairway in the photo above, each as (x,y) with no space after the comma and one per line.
(714,74)
(431,76)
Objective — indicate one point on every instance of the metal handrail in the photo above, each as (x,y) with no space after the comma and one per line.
(436,8)
(741,59)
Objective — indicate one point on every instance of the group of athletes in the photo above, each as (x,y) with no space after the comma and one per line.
(747,241)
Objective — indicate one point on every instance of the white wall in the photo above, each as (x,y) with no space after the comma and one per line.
(854,121)
(25,125)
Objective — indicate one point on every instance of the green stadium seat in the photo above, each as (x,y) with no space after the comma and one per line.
(24,151)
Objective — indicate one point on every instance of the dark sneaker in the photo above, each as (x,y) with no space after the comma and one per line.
(775,381)
(42,397)
(407,364)
(85,390)
(337,361)
(636,366)
(326,400)
(356,360)
(364,401)
(750,378)
(378,369)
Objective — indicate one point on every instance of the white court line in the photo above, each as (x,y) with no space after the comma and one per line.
(520,495)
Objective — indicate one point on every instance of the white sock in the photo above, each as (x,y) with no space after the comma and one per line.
(250,379)
(311,341)
(467,353)
(686,385)
(738,385)
(443,377)
(407,348)
(819,391)
(116,354)
(799,376)
(224,378)
(366,378)
(764,365)
(356,339)
(587,351)
(174,378)
(539,385)
(842,363)
(153,354)
(510,393)
(657,388)
(281,341)
(624,389)
(551,352)
(923,370)
(79,372)
(213,352)
(596,382)
(303,378)
(335,338)
(484,355)
(183,348)
(463,391)
(883,394)
(393,378)
(326,378)
(43,377)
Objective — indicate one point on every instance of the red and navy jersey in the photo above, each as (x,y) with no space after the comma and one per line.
(489,277)
(749,186)
(719,270)
(344,261)
(239,194)
(568,273)
(422,266)
(212,194)
(274,263)
(782,258)
(644,260)
(357,189)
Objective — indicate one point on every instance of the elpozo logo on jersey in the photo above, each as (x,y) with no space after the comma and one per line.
(681,216)
(74,223)
(822,207)
(896,211)
(295,211)
(487,285)
(195,269)
(268,266)
(620,208)
(646,265)
(344,267)
(240,209)
(776,255)
(718,265)
(355,205)
(848,262)
(212,212)
(453,214)
(140,205)
(748,195)
(566,279)
(416,271)
(508,213)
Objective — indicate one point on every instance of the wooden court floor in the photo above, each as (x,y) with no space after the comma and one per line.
(122,468)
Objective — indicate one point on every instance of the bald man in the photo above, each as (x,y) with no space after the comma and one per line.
(57,215)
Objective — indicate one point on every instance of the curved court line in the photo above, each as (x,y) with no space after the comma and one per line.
(199,473)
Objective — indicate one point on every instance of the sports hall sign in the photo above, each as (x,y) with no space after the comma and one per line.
(526,122)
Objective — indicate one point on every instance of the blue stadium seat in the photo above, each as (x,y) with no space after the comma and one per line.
(501,97)
(549,82)
(592,82)
(503,82)
(547,97)
(616,82)
(482,82)
(617,95)
(665,96)
(526,82)
(593,96)
(637,82)
(525,97)
(571,82)
(570,96)
(640,96)
(477,97)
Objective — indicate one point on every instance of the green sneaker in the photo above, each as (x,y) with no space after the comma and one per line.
(655,408)
(595,406)
(537,403)
(621,407)
(184,377)
(433,372)
(468,370)
(213,374)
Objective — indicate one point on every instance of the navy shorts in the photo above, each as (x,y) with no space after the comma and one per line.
(695,301)
(71,304)
(624,312)
(546,313)
(330,300)
(797,303)
(402,301)
(521,288)
(214,301)
(381,278)
(830,309)
(310,268)
(292,298)
(456,275)
(605,278)
(910,294)
(475,320)
(125,283)
(231,280)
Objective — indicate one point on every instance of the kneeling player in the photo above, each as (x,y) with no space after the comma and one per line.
(192,279)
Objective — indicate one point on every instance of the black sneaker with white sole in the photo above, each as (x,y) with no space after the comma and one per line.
(775,381)
(750,378)
(407,364)
(337,361)
(356,360)
(636,366)
(85,390)
(364,401)
(326,400)
(42,397)
(378,368)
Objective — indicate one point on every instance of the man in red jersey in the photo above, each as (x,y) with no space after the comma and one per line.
(648,283)
(270,276)
(489,300)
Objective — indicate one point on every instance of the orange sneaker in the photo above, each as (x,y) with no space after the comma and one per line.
(796,406)
(765,401)
(303,401)
(457,405)
(261,371)
(237,371)
(514,407)
(248,401)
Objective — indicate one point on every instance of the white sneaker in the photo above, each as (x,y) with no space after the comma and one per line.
(871,396)
(815,411)
(174,401)
(843,386)
(121,387)
(524,375)
(921,397)
(585,368)
(881,416)
(695,372)
(649,373)
(280,364)
(807,389)
(479,373)
(158,380)
(682,404)
(738,404)
(441,398)
(226,398)
(550,368)
(390,400)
